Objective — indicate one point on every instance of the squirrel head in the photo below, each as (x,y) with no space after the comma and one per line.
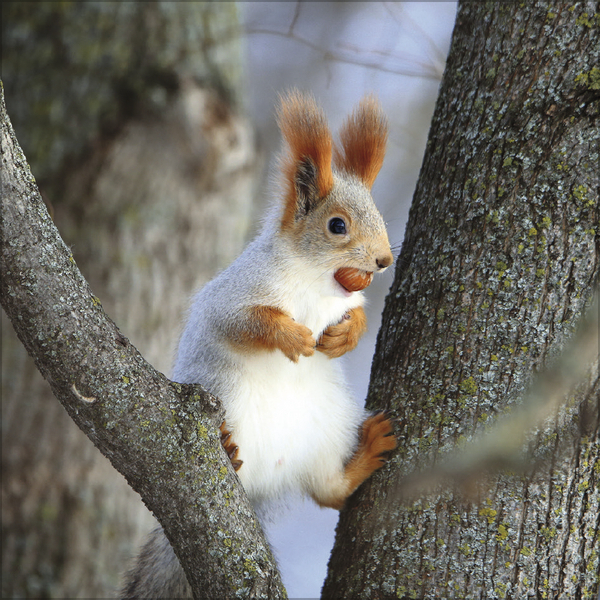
(328,211)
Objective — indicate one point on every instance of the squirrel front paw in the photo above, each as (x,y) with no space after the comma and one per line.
(338,339)
(273,329)
(230,446)
(295,340)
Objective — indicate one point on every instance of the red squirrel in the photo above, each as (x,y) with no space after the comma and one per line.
(264,336)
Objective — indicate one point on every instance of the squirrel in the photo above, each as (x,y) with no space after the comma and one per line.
(264,335)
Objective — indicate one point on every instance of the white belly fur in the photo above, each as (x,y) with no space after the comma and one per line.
(295,423)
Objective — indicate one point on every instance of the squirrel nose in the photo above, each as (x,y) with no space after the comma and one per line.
(384,261)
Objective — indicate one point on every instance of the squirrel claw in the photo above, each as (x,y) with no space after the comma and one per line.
(342,337)
(230,446)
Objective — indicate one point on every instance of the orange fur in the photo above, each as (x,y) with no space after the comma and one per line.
(363,138)
(304,128)
(270,328)
(376,440)
(343,337)
(230,446)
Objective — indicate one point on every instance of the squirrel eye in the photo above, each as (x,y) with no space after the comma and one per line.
(337,226)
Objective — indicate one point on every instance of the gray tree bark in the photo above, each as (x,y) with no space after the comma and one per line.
(130,115)
(162,436)
(500,259)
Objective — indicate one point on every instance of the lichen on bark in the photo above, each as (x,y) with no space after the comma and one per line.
(499,260)
(145,163)
(162,436)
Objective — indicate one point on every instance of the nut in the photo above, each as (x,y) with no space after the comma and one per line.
(352,279)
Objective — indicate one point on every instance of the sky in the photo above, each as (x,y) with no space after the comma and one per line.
(339,51)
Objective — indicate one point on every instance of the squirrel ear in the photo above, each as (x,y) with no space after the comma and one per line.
(307,164)
(363,137)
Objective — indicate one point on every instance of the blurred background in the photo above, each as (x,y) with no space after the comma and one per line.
(150,129)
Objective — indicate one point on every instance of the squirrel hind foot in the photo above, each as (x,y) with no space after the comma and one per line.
(230,446)
(377,440)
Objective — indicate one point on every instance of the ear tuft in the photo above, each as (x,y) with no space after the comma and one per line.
(307,192)
(304,128)
(363,138)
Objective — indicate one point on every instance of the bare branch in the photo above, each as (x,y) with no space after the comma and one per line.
(393,8)
(162,436)
(346,53)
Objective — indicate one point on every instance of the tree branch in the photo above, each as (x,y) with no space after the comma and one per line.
(162,436)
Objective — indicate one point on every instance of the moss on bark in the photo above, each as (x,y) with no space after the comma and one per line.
(499,260)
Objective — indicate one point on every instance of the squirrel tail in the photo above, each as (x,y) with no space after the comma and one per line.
(157,572)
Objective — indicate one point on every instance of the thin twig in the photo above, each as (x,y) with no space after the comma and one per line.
(340,57)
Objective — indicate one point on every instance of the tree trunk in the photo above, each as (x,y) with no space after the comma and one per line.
(129,113)
(500,259)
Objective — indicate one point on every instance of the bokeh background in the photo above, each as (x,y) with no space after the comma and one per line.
(339,51)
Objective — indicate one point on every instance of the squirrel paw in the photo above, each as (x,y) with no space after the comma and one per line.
(230,446)
(274,329)
(338,339)
(376,440)
(295,340)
